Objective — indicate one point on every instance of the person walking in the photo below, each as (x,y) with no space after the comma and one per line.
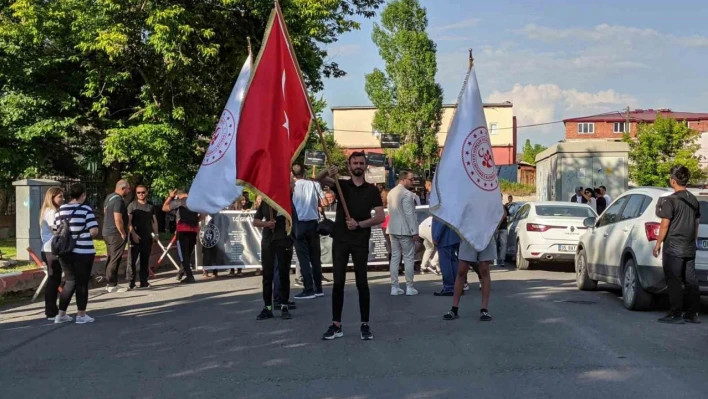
(53,199)
(403,232)
(187,231)
(448,245)
(115,228)
(351,238)
(430,256)
(142,226)
(680,218)
(77,264)
(501,237)
(275,244)
(307,198)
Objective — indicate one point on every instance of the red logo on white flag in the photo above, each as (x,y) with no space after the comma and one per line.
(221,140)
(478,159)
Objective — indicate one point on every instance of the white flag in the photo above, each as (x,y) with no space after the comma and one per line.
(465,192)
(215,187)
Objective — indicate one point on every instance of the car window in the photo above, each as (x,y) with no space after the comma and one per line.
(634,204)
(564,211)
(523,212)
(612,213)
(645,204)
(703,202)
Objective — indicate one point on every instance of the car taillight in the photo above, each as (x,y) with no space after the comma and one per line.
(537,227)
(652,230)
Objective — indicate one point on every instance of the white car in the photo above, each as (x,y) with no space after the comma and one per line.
(617,247)
(546,232)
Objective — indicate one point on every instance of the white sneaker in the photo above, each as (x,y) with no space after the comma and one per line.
(117,288)
(467,287)
(62,319)
(396,291)
(84,319)
(410,291)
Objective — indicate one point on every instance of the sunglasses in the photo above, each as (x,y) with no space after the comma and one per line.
(141,192)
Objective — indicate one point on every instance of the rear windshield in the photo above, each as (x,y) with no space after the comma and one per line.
(567,211)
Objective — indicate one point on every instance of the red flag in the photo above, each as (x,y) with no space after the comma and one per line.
(275,119)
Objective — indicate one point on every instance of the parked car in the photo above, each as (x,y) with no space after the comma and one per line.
(617,247)
(546,232)
(514,207)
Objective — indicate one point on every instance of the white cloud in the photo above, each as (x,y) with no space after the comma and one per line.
(467,23)
(344,50)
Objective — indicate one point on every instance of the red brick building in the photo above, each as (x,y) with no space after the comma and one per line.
(612,126)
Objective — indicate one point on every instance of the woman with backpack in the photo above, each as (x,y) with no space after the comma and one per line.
(77,262)
(48,213)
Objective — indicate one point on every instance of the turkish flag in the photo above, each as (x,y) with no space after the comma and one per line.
(275,119)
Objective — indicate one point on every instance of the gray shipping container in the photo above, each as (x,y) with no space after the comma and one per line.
(565,166)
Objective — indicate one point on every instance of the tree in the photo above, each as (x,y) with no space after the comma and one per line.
(530,152)
(408,100)
(138,85)
(658,147)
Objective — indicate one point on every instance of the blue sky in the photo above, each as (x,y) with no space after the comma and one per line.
(553,59)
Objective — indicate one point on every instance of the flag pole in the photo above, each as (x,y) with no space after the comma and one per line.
(312,111)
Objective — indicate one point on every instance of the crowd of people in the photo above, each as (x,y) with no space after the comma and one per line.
(596,198)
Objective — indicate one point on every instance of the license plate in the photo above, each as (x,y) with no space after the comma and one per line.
(569,248)
(702,244)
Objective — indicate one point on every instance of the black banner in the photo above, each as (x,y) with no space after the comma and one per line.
(390,140)
(315,158)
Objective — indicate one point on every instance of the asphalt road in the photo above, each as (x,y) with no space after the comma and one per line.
(547,340)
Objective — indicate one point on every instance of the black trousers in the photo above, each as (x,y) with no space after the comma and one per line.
(283,251)
(187,241)
(309,253)
(115,246)
(340,257)
(682,272)
(142,250)
(51,290)
(77,273)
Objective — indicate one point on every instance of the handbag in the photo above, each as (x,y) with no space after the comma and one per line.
(325,226)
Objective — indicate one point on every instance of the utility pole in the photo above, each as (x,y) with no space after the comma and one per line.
(627,129)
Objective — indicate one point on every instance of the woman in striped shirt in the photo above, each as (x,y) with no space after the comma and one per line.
(52,201)
(77,264)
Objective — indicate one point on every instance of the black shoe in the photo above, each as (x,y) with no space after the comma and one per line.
(188,280)
(131,286)
(671,319)
(179,276)
(292,305)
(366,334)
(333,332)
(305,295)
(444,293)
(285,313)
(690,318)
(485,316)
(232,272)
(265,314)
(450,315)
(144,286)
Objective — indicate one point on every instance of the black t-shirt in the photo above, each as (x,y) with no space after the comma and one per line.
(142,217)
(114,204)
(505,221)
(600,204)
(682,209)
(268,235)
(360,200)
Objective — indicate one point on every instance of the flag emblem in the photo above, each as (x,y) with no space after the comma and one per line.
(478,159)
(221,140)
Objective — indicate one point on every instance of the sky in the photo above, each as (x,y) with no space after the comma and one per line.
(552,59)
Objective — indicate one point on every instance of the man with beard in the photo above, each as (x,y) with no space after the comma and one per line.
(351,237)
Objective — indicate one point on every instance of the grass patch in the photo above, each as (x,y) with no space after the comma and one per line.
(19,267)
(518,189)
(7,247)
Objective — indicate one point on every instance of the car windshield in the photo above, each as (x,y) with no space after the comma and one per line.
(564,211)
(703,202)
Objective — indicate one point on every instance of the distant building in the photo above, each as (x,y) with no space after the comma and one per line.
(353,129)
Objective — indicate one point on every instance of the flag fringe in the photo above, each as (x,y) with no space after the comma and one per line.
(269,201)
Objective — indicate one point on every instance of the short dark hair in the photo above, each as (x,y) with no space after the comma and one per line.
(298,170)
(405,174)
(681,174)
(603,188)
(141,186)
(76,191)
(598,190)
(357,154)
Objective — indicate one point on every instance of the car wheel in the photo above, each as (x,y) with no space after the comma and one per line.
(633,295)
(582,277)
(521,263)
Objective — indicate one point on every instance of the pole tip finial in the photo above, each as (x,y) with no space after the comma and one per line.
(471,58)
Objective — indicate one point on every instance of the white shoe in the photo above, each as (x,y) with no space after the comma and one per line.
(410,291)
(467,287)
(117,288)
(62,319)
(84,319)
(396,291)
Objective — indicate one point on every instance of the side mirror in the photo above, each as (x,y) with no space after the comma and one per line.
(589,222)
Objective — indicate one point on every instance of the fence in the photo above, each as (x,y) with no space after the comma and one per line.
(95,191)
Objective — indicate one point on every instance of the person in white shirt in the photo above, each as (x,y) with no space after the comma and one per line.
(403,230)
(53,199)
(430,256)
(608,199)
(590,198)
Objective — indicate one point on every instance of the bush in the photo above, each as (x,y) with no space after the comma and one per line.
(511,188)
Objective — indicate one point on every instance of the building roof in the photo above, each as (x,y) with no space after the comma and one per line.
(641,115)
(589,147)
(506,104)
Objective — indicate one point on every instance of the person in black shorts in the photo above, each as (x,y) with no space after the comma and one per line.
(275,244)
(680,217)
(351,237)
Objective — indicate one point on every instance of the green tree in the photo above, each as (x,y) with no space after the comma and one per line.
(660,146)
(530,152)
(408,100)
(138,85)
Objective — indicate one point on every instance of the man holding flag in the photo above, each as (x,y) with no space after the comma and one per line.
(465,193)
(263,128)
